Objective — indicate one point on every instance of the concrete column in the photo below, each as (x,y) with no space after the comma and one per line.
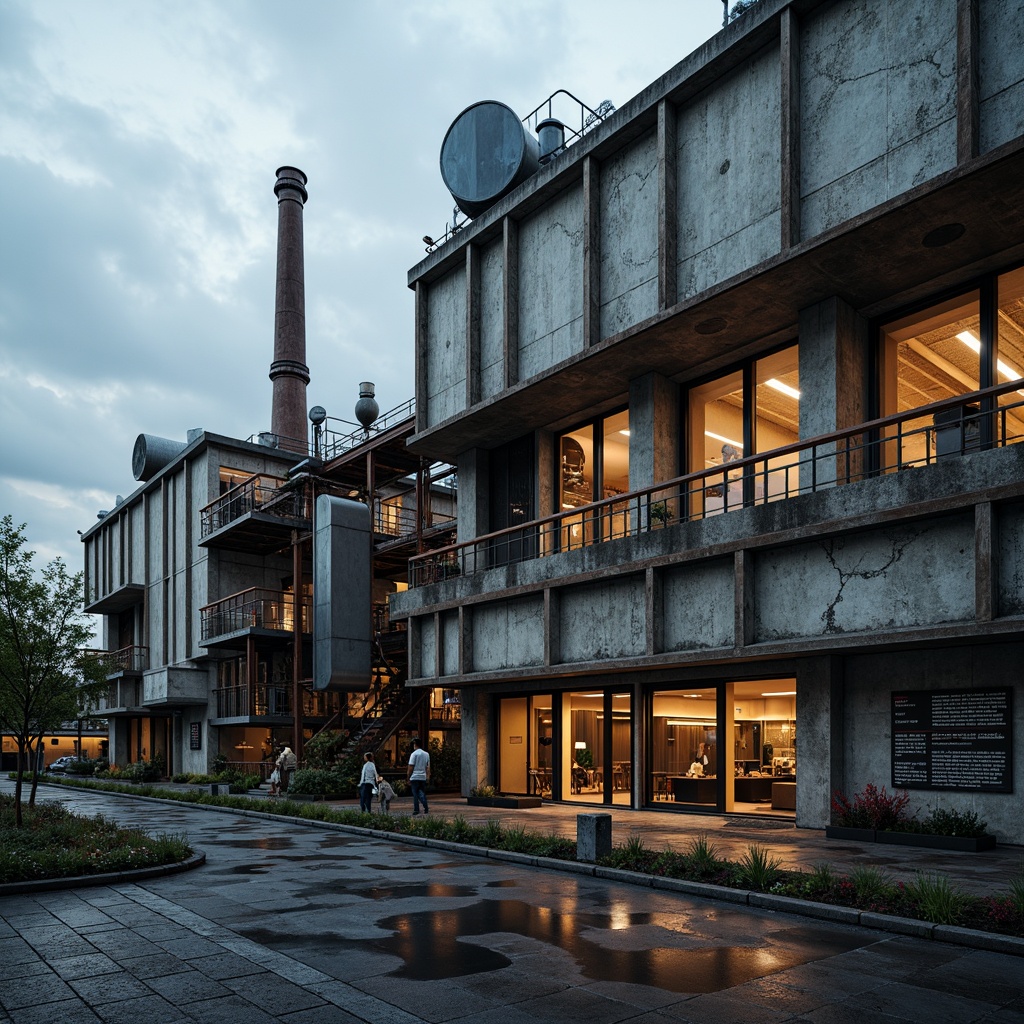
(288,370)
(474,485)
(476,729)
(653,432)
(833,375)
(819,752)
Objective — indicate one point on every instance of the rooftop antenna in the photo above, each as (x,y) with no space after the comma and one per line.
(725,13)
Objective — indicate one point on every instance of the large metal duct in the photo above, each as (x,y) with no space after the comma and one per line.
(151,454)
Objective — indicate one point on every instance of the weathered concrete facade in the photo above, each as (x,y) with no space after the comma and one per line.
(813,172)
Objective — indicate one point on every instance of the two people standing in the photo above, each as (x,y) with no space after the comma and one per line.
(368,783)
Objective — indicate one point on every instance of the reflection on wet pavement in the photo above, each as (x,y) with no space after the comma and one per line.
(448,934)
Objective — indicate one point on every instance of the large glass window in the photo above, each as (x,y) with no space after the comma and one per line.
(752,409)
(684,746)
(1010,345)
(597,747)
(593,463)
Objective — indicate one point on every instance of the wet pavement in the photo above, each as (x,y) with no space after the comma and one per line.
(301,924)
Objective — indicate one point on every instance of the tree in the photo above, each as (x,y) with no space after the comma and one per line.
(46,675)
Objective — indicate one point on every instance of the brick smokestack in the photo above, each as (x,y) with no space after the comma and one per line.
(289,371)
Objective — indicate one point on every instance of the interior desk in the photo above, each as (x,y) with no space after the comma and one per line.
(694,791)
(753,790)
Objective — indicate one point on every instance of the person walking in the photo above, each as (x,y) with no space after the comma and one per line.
(286,765)
(417,773)
(367,783)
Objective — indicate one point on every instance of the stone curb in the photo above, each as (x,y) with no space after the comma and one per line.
(973,939)
(107,878)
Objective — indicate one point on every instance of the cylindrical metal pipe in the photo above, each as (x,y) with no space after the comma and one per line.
(551,138)
(289,371)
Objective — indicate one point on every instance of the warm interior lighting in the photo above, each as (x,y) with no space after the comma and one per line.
(624,433)
(580,745)
(784,388)
(724,440)
(690,721)
(972,342)
(780,693)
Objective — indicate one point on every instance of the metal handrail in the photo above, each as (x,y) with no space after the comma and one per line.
(344,442)
(257,607)
(259,492)
(888,444)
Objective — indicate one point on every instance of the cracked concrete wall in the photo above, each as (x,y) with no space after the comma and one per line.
(872,678)
(1010,582)
(697,602)
(878,105)
(1001,74)
(729,167)
(551,284)
(508,634)
(604,620)
(492,338)
(629,236)
(446,347)
(883,579)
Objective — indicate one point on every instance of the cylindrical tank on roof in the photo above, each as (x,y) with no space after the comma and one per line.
(151,454)
(486,153)
(550,137)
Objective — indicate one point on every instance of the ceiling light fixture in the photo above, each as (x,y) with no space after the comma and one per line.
(972,342)
(725,440)
(784,388)
(780,693)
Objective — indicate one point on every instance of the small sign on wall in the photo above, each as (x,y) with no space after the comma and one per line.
(515,739)
(195,736)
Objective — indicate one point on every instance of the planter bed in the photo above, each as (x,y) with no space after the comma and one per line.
(515,802)
(964,844)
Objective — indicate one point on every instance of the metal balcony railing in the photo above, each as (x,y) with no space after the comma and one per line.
(260,493)
(990,418)
(270,699)
(391,519)
(256,608)
(132,660)
(335,442)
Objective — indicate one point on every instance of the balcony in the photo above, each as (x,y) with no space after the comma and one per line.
(254,612)
(927,436)
(255,516)
(120,599)
(271,701)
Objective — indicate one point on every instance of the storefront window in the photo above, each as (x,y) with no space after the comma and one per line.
(684,746)
(597,759)
(525,745)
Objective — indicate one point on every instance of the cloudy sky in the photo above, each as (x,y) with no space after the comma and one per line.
(138,145)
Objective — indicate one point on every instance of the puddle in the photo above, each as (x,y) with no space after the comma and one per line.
(411,890)
(263,843)
(668,968)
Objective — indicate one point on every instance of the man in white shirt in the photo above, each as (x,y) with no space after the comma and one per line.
(417,773)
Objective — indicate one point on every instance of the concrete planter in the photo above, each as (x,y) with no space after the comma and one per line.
(513,802)
(919,839)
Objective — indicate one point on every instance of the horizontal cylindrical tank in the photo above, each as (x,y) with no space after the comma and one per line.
(486,153)
(151,454)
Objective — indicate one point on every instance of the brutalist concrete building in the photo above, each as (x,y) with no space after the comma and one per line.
(732,380)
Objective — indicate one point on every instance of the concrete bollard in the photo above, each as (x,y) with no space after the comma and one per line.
(220,789)
(593,837)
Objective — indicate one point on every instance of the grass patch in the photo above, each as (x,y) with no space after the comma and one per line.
(53,842)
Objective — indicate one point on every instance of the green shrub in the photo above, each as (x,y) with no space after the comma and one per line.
(141,771)
(321,782)
(937,901)
(952,822)
(702,858)
(759,869)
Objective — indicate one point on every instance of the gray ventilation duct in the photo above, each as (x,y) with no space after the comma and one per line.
(151,454)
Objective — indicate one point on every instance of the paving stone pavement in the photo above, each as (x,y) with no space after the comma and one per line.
(301,924)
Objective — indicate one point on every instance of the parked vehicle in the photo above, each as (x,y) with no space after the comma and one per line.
(61,763)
